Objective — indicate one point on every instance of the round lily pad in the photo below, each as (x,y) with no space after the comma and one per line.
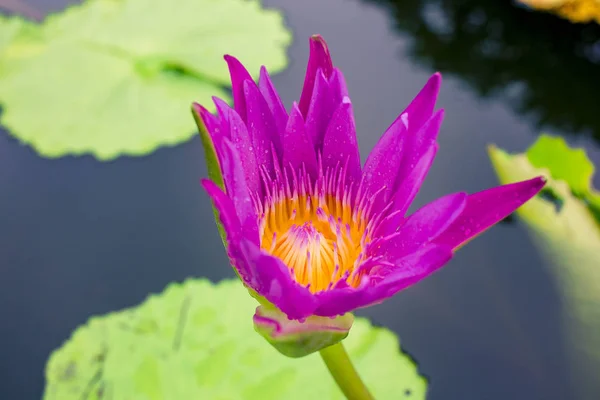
(196,341)
(117,77)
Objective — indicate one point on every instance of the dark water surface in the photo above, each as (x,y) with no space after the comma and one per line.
(79,237)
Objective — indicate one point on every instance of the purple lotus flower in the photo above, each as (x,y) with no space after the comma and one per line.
(306,226)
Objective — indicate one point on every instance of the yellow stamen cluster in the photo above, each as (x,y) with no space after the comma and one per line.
(318,236)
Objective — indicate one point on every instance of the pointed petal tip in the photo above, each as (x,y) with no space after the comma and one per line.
(487,207)
(220,104)
(318,39)
(318,44)
(199,109)
(196,108)
(199,112)
(318,58)
(432,87)
(531,186)
(236,66)
(321,74)
(541,180)
(434,82)
(537,184)
(206,183)
(203,116)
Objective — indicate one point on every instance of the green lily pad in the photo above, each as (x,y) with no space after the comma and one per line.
(196,341)
(117,77)
(564,163)
(565,230)
(11,29)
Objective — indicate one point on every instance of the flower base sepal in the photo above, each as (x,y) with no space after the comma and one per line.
(295,339)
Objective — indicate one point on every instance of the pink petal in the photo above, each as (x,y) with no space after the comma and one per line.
(340,148)
(410,185)
(382,165)
(415,267)
(422,227)
(421,108)
(240,138)
(337,85)
(213,125)
(238,74)
(408,270)
(231,226)
(417,143)
(226,209)
(222,110)
(485,208)
(320,111)
(272,280)
(261,126)
(273,99)
(298,148)
(238,190)
(319,59)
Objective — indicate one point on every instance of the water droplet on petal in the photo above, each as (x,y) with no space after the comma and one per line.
(404,119)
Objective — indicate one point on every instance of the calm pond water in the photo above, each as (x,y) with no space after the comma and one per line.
(79,237)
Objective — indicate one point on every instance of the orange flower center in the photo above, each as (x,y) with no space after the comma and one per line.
(319,237)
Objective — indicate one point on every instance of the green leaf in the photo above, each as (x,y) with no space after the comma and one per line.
(196,341)
(10,30)
(570,165)
(568,236)
(114,77)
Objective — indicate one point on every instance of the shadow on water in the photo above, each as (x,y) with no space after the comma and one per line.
(545,67)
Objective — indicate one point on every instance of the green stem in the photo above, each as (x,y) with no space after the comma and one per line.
(343,372)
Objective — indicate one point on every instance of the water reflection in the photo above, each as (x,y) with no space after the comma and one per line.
(545,67)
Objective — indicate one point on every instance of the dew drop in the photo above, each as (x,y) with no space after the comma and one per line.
(404,119)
